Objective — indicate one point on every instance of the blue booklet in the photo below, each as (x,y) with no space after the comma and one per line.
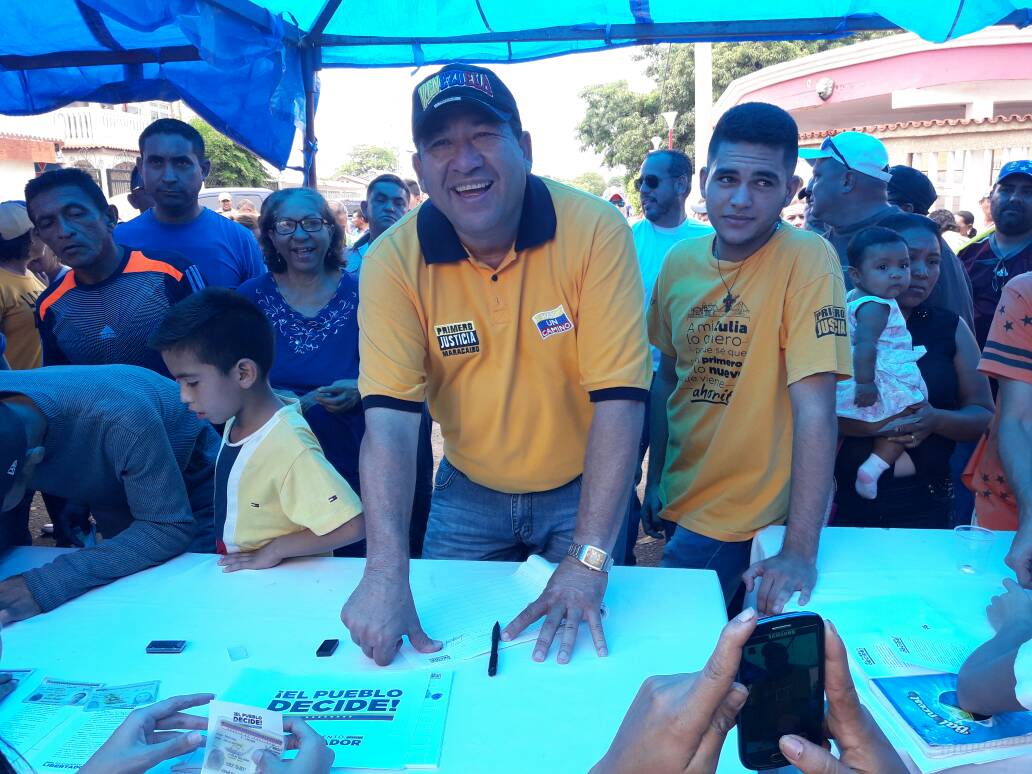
(928,704)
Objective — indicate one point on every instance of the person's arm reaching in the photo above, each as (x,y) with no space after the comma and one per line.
(303,543)
(162,527)
(575,592)
(794,568)
(381,611)
(987,681)
(1014,439)
(663,387)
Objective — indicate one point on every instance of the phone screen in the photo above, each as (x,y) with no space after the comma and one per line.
(783,667)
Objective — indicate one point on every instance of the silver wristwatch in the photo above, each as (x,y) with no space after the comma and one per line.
(592,557)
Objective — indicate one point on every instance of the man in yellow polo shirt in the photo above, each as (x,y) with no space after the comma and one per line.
(750,323)
(513,305)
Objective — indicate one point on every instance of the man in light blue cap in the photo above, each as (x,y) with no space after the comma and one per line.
(850,193)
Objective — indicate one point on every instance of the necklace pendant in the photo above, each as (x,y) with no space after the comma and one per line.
(1001,272)
(729,301)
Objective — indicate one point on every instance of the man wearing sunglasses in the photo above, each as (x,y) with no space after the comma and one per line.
(173,166)
(664,183)
(850,189)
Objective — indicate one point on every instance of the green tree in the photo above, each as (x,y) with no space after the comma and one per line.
(232,166)
(619,123)
(365,159)
(592,182)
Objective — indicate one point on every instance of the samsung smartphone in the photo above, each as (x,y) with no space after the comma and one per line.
(783,668)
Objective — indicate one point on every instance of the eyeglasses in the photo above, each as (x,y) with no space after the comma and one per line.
(287,226)
(652,181)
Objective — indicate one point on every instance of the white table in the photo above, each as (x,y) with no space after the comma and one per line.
(531,717)
(858,566)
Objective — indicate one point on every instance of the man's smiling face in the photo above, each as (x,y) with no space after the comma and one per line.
(475,170)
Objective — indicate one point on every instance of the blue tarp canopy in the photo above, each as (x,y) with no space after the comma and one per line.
(247,66)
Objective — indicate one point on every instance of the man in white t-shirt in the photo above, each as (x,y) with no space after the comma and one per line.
(664,183)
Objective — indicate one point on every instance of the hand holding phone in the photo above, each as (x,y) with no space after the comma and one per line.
(863,747)
(783,668)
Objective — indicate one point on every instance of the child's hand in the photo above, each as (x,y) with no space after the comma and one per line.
(262,559)
(1014,607)
(866,395)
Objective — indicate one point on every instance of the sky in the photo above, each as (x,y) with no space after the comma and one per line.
(374,107)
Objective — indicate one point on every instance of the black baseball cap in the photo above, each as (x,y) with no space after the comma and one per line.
(13,448)
(466,84)
(912,187)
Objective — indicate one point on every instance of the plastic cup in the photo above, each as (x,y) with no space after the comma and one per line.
(972,547)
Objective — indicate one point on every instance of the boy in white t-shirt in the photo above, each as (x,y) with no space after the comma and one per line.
(997,677)
(276,495)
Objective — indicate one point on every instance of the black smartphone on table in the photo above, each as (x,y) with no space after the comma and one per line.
(783,668)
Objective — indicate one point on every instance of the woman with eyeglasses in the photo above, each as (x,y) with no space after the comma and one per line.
(312,304)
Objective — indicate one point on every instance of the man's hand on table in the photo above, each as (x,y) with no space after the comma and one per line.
(782,574)
(16,601)
(1019,558)
(863,748)
(313,756)
(379,613)
(151,735)
(678,723)
(573,593)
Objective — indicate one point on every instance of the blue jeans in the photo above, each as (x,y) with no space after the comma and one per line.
(470,521)
(689,550)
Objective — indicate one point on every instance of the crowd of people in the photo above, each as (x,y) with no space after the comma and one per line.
(813,355)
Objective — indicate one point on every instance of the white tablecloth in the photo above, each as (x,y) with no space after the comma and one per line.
(531,717)
(863,575)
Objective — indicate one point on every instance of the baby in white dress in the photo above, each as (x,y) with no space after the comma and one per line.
(886,380)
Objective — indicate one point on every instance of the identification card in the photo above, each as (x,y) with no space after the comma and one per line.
(123,696)
(235,733)
(63,692)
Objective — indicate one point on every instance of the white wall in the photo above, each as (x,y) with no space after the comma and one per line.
(13,177)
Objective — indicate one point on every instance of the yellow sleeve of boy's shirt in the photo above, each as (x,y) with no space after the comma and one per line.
(814,333)
(658,314)
(612,348)
(392,338)
(315,496)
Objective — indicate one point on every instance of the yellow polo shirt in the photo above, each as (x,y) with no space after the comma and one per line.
(510,359)
(729,448)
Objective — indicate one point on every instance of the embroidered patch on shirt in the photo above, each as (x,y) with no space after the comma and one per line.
(457,338)
(553,321)
(830,321)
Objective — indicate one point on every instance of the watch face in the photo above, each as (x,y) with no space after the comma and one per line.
(594,558)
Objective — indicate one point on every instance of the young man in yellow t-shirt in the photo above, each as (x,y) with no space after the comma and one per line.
(751,328)
(276,494)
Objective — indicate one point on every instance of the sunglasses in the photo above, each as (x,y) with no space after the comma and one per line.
(829,144)
(288,226)
(652,181)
